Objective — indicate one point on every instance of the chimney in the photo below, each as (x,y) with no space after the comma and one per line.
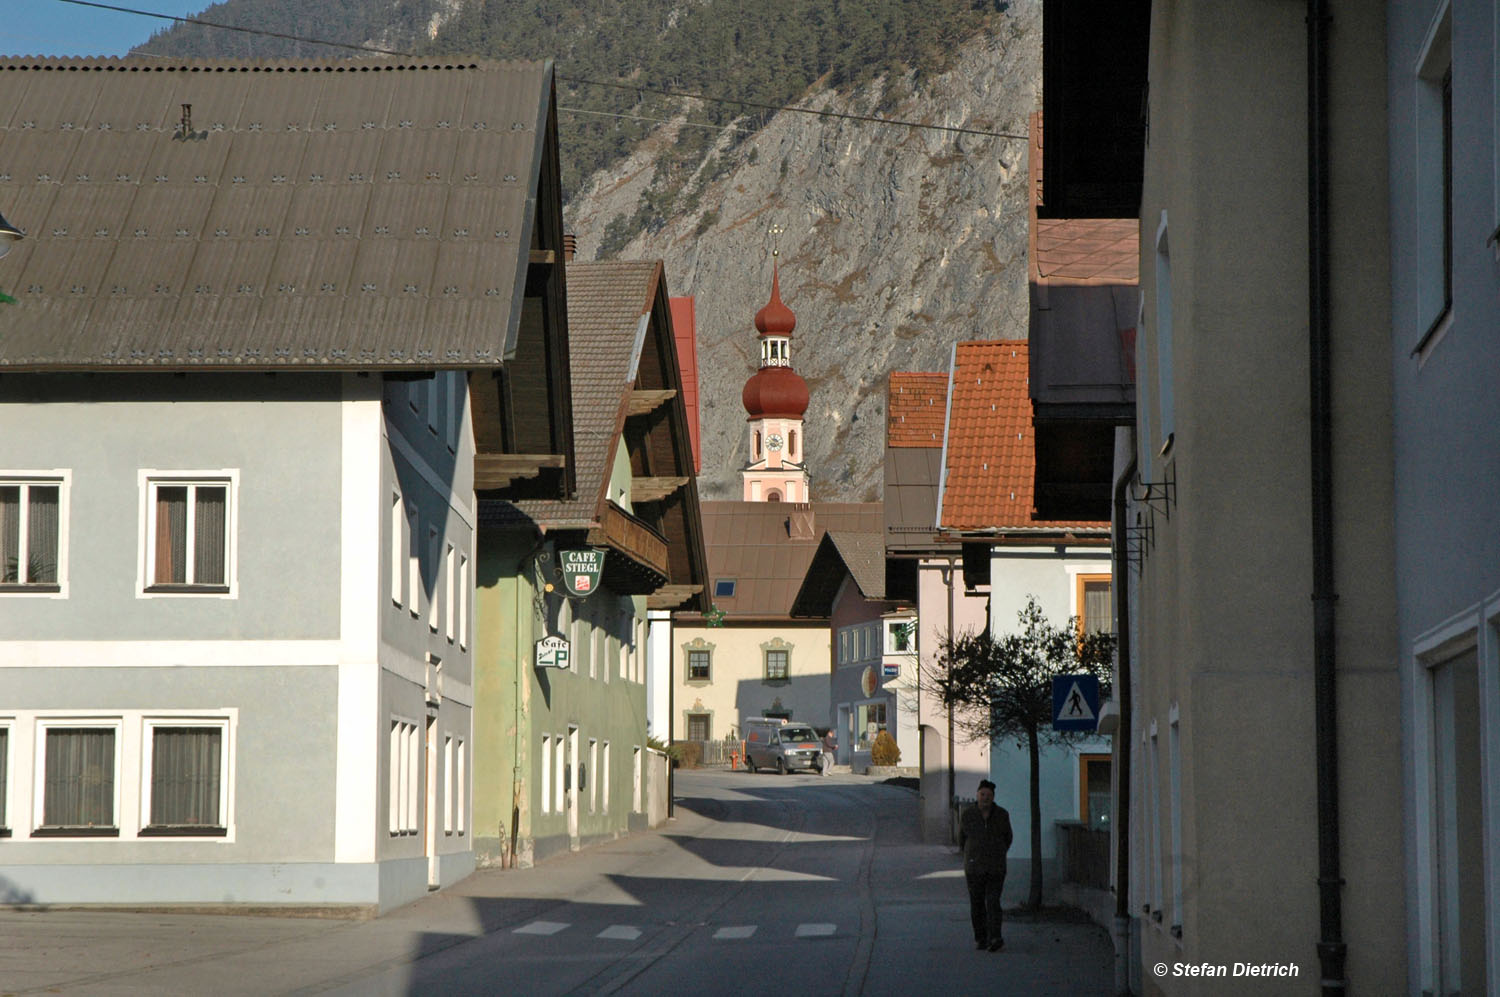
(570,246)
(800,525)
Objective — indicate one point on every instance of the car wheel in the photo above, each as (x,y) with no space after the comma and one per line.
(781,766)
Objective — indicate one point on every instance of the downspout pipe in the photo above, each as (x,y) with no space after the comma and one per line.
(1331,947)
(1123,739)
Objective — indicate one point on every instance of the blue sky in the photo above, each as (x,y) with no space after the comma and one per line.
(49,27)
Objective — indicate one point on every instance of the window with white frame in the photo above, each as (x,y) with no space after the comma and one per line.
(900,636)
(405,777)
(1434,178)
(448,800)
(546,781)
(560,775)
(463,787)
(413,562)
(189,533)
(79,778)
(32,526)
(635,779)
(1174,775)
(4,780)
(398,546)
(604,775)
(434,549)
(601,650)
(186,786)
(450,569)
(464,595)
(593,774)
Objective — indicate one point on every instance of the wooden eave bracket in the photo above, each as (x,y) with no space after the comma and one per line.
(671,596)
(643,401)
(653,489)
(498,470)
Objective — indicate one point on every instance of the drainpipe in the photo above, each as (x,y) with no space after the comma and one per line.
(952,788)
(1122,737)
(1331,947)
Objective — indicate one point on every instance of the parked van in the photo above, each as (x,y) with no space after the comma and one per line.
(780,745)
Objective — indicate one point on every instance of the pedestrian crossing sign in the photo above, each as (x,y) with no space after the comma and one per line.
(1075,702)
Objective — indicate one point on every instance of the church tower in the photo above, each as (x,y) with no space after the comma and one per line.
(776,398)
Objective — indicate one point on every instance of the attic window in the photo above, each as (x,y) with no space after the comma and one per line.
(724,588)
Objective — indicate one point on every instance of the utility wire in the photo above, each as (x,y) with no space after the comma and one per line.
(577,81)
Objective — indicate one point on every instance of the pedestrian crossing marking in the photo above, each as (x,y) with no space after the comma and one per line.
(738,931)
(541,928)
(624,932)
(814,930)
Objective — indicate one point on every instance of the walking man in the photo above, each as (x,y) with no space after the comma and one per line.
(829,746)
(984,835)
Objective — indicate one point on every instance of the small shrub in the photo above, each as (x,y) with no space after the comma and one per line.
(686,754)
(884,750)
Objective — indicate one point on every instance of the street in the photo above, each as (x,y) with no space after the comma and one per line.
(800,884)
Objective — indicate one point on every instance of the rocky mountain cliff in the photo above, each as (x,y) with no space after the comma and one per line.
(897,243)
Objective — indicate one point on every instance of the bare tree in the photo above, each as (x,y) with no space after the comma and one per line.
(1000,688)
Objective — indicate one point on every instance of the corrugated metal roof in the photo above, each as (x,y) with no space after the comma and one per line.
(322,214)
(991,447)
(751,543)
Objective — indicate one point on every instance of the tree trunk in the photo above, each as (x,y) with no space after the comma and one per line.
(1034,898)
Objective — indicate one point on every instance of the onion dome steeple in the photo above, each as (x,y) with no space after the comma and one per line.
(775,390)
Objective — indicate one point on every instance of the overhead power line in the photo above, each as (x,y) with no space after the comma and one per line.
(575,80)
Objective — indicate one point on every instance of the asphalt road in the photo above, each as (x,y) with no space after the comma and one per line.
(762,885)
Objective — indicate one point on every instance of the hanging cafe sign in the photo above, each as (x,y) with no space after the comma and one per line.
(581,570)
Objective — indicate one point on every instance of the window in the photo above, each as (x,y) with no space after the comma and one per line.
(546,773)
(870,720)
(462,792)
(593,774)
(791,444)
(187,783)
(463,601)
(4,781)
(1174,774)
(413,561)
(449,570)
(448,800)
(778,666)
(724,588)
(843,647)
(755,445)
(31,525)
(604,775)
(635,779)
(1164,373)
(1153,818)
(1094,790)
(699,666)
(697,726)
(601,651)
(404,781)
(561,773)
(900,636)
(79,780)
(434,546)
(398,547)
(189,534)
(1095,613)
(1434,178)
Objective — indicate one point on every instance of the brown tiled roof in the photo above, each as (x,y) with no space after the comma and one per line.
(916,406)
(356,215)
(990,448)
(751,544)
(860,556)
(606,303)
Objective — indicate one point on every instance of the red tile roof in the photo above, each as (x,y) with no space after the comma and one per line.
(991,449)
(916,407)
(685,328)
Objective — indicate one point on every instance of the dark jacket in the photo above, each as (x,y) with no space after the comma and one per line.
(984,842)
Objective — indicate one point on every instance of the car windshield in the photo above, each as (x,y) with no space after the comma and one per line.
(797,734)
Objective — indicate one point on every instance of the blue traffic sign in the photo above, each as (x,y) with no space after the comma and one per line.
(1075,702)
